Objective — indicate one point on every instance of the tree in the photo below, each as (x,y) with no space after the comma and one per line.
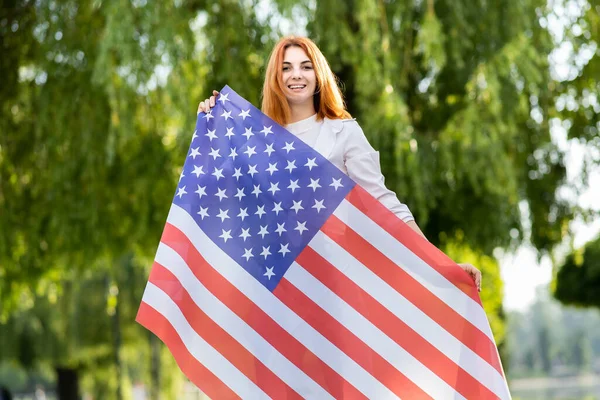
(578,279)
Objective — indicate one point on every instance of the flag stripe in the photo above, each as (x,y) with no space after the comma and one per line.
(198,348)
(257,306)
(379,257)
(342,283)
(379,382)
(216,333)
(410,378)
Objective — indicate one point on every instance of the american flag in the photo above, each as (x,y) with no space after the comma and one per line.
(278,277)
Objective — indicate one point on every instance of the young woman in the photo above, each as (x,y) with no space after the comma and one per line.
(300,93)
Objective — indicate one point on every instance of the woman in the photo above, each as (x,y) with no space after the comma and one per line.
(300,92)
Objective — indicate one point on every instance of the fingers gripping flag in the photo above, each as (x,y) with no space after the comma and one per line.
(278,277)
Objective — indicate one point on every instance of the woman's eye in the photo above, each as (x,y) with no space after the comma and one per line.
(308,67)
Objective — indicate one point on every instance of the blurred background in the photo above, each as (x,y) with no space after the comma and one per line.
(485,112)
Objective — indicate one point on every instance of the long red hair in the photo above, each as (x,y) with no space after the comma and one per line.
(327,99)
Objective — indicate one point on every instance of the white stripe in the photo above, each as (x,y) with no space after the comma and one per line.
(237,327)
(199,348)
(435,282)
(407,312)
(404,362)
(264,299)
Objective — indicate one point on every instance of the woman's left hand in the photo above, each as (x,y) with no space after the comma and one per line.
(474,273)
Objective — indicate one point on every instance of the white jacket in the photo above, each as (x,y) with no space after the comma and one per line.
(344,143)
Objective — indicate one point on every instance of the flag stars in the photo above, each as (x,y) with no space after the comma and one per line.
(269,273)
(195,152)
(280,228)
(310,163)
(245,114)
(208,116)
(265,251)
(181,192)
(297,206)
(211,134)
(225,235)
(250,151)
(291,166)
(218,173)
(203,212)
(198,170)
(301,227)
(237,173)
(263,231)
(243,213)
(201,191)
(260,211)
(274,188)
(266,130)
(314,184)
(318,205)
(269,149)
(240,193)
(293,185)
(233,153)
(272,168)
(223,214)
(223,97)
(336,183)
(256,190)
(248,133)
(226,115)
(252,170)
(245,234)
(214,153)
(284,249)
(288,147)
(277,208)
(229,133)
(248,254)
(221,194)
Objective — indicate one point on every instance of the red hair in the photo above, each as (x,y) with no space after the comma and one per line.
(327,99)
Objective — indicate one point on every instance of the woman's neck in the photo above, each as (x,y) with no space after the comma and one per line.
(300,112)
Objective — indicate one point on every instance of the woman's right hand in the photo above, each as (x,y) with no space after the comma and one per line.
(209,103)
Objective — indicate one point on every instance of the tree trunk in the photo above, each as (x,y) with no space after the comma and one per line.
(67,387)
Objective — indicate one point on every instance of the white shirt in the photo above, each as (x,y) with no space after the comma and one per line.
(344,143)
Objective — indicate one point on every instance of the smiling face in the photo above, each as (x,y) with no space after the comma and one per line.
(298,77)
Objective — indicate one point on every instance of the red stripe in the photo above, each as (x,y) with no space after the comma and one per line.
(189,365)
(347,342)
(393,327)
(254,316)
(436,259)
(219,338)
(412,290)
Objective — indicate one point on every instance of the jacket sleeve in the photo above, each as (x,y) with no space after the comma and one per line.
(363,166)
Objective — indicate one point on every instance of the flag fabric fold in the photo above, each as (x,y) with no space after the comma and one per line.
(278,277)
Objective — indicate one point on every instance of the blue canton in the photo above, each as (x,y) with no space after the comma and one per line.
(259,192)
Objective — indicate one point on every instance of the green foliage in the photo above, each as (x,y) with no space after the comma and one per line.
(578,280)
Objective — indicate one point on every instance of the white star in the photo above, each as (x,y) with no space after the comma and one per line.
(243,213)
(266,130)
(293,185)
(288,147)
(265,252)
(203,212)
(225,235)
(248,133)
(314,184)
(250,151)
(218,173)
(301,227)
(237,173)
(223,215)
(256,190)
(269,149)
(260,211)
(214,153)
(208,116)
(195,152)
(274,188)
(263,231)
(181,176)
(252,170)
(233,154)
(223,98)
(229,133)
(269,272)
(297,206)
(284,249)
(336,183)
(198,171)
(280,228)
(211,134)
(318,205)
(291,166)
(310,163)
(181,192)
(195,135)
(277,208)
(272,168)
(226,115)
(245,234)
(201,191)
(221,194)
(240,193)
(248,253)
(244,114)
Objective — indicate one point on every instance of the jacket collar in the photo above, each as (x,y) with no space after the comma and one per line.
(326,139)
